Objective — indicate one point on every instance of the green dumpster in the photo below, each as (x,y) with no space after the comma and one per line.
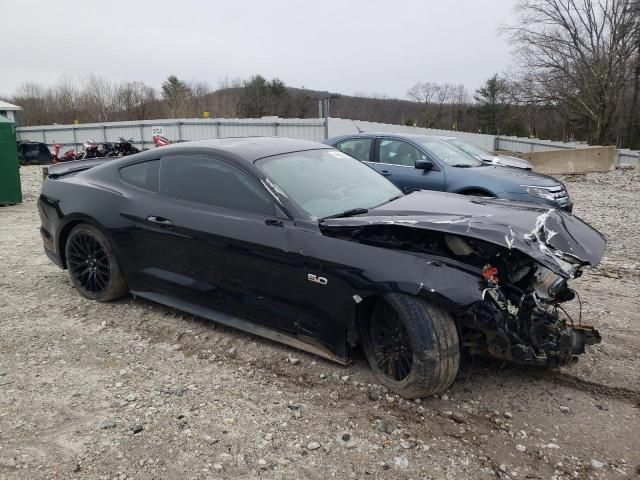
(9,167)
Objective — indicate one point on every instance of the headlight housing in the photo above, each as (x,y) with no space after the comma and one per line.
(540,192)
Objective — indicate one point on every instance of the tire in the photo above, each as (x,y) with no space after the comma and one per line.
(92,264)
(426,330)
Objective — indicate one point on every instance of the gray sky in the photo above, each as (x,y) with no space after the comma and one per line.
(343,46)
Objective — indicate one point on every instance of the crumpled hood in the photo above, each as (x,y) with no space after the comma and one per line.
(550,236)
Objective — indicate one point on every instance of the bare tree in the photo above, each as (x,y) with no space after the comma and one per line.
(632,117)
(98,98)
(32,97)
(198,95)
(575,54)
(66,100)
(458,99)
(133,100)
(432,96)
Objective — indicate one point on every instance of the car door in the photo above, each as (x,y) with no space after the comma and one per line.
(395,159)
(212,236)
(360,148)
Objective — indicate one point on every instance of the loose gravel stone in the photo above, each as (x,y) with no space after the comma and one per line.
(107,423)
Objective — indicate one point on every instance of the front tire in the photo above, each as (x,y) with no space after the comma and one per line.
(411,345)
(92,264)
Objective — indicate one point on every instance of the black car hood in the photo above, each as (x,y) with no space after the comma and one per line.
(554,238)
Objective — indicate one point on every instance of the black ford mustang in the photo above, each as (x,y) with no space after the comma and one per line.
(298,242)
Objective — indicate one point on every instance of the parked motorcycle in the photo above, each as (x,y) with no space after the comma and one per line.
(124,147)
(161,141)
(93,149)
(68,156)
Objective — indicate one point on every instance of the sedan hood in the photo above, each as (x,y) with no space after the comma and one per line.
(556,239)
(516,175)
(506,161)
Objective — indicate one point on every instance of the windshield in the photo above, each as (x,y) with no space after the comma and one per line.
(448,153)
(468,147)
(327,182)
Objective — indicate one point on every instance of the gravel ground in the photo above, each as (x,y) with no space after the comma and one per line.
(132,389)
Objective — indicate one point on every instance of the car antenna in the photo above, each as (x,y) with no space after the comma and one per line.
(359,129)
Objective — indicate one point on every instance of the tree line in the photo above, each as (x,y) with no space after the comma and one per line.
(576,76)
(95,99)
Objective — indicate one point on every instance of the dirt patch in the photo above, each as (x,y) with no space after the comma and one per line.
(132,389)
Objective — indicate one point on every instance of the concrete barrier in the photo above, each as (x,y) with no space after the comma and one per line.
(567,161)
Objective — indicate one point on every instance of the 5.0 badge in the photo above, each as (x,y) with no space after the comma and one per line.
(316,279)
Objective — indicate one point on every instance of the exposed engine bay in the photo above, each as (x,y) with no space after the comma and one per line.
(521,317)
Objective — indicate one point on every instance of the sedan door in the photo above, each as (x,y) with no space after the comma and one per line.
(396,159)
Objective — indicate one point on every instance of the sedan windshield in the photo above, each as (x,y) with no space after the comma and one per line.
(468,147)
(327,183)
(448,153)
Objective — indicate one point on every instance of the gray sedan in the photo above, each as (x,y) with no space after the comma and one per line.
(421,162)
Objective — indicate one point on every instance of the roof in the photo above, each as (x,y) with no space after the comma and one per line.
(252,148)
(8,106)
(408,136)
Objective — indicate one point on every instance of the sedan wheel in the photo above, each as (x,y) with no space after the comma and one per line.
(411,345)
(92,265)
(390,343)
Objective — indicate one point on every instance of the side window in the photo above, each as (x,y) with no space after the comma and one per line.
(204,179)
(397,152)
(143,175)
(358,148)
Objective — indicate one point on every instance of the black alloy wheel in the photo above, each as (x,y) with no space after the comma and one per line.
(390,342)
(88,263)
(411,345)
(92,264)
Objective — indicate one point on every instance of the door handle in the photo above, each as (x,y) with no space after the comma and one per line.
(273,222)
(160,221)
(386,173)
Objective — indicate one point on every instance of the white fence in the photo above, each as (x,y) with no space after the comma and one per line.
(316,129)
(176,130)
(629,157)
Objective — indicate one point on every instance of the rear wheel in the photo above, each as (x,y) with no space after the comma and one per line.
(92,265)
(411,345)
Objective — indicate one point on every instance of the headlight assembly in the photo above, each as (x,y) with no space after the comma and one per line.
(540,192)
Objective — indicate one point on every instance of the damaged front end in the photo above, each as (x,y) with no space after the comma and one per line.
(523,257)
(521,319)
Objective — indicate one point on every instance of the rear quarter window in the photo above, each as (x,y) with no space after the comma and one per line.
(143,175)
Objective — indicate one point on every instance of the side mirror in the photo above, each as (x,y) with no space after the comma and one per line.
(425,165)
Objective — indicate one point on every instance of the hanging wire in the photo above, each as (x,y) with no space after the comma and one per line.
(580,303)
